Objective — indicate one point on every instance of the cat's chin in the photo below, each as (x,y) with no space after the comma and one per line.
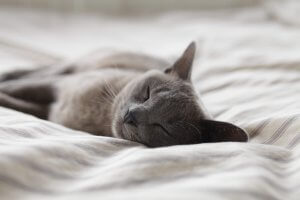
(120,130)
(129,132)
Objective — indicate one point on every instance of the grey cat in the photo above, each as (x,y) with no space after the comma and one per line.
(124,95)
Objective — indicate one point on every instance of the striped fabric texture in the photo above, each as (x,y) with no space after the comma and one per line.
(247,72)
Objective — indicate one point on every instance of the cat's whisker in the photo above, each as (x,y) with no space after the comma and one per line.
(102,99)
(110,89)
(106,99)
(107,92)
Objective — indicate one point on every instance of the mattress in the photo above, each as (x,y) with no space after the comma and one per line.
(247,72)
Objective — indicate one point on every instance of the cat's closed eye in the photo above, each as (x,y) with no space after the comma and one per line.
(162,128)
(147,94)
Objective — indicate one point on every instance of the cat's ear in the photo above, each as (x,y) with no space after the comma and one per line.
(217,131)
(182,68)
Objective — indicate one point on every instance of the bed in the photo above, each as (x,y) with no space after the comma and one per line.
(247,71)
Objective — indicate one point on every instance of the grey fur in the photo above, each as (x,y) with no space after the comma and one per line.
(124,95)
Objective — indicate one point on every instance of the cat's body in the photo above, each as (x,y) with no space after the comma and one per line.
(109,95)
(91,91)
(79,94)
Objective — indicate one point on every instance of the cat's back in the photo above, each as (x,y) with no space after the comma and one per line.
(120,60)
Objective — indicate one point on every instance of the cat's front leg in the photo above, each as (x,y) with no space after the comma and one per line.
(38,110)
(40,72)
(32,96)
(40,90)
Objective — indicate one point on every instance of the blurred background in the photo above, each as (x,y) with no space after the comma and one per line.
(126,7)
(228,32)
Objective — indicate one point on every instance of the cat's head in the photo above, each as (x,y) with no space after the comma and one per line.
(161,108)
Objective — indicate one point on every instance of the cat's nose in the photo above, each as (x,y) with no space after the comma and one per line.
(130,118)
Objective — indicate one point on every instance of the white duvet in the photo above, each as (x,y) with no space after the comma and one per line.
(248,72)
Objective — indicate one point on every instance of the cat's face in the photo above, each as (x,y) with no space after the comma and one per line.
(162,108)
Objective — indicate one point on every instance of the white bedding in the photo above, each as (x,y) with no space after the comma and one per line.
(248,71)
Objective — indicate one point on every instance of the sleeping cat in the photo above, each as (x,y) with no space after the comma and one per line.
(124,95)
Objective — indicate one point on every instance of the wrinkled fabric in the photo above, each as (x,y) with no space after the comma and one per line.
(247,72)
